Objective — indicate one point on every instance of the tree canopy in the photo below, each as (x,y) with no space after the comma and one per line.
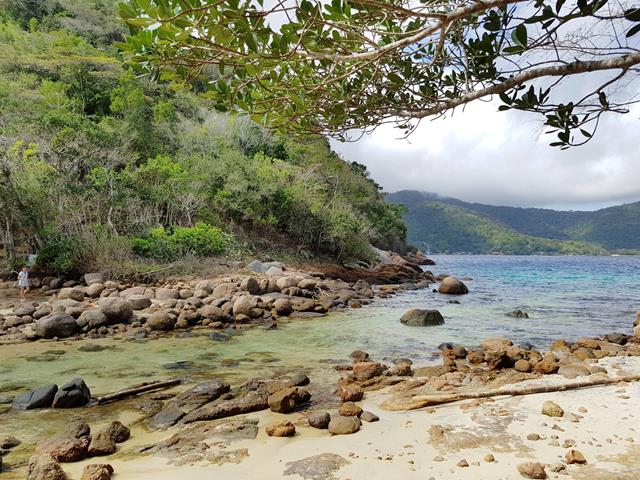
(333,66)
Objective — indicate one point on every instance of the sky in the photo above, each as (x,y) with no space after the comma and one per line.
(503,158)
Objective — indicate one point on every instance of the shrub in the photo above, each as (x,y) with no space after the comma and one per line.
(202,240)
(57,254)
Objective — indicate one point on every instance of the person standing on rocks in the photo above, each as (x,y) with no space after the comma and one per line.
(23,282)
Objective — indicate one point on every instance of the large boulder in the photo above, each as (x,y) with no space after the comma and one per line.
(161,321)
(72,394)
(57,324)
(139,302)
(94,318)
(117,310)
(39,398)
(92,278)
(64,449)
(244,305)
(72,293)
(422,318)
(452,286)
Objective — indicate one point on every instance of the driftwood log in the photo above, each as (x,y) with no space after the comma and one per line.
(137,389)
(421,401)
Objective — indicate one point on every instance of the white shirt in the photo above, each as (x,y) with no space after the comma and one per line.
(23,279)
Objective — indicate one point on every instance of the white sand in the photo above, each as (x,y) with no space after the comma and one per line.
(400,446)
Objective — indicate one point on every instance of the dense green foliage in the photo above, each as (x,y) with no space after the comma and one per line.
(92,157)
(451,225)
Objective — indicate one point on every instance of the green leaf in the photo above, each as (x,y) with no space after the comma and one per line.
(633,31)
(633,14)
(519,35)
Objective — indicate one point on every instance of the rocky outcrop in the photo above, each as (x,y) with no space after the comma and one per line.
(252,402)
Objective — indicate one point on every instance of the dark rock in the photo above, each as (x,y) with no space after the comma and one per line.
(118,432)
(79,429)
(93,318)
(8,442)
(72,394)
(319,420)
(117,310)
(422,318)
(188,401)
(359,356)
(299,380)
(618,338)
(39,398)
(518,314)
(57,324)
(160,321)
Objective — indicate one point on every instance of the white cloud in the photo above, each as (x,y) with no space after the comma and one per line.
(503,158)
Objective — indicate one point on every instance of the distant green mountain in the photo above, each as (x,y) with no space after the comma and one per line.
(455,226)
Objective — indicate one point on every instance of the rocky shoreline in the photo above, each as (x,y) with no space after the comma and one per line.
(217,423)
(97,307)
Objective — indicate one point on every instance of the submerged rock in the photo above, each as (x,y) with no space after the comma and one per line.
(422,318)
(72,394)
(39,398)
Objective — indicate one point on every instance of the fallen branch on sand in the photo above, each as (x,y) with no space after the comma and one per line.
(421,401)
(137,389)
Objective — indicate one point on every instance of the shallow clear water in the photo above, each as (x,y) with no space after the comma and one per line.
(566,297)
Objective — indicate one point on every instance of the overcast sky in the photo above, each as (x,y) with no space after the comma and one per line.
(503,158)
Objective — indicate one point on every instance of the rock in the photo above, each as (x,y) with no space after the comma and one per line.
(283,306)
(250,285)
(319,420)
(118,432)
(351,393)
(224,290)
(93,278)
(344,425)
(533,437)
(318,467)
(139,302)
(518,314)
(257,266)
(307,284)
(462,463)
(72,293)
(72,394)
(522,366)
(349,409)
(274,272)
(363,371)
(160,321)
(532,470)
(57,324)
(39,398)
(64,449)
(552,409)
(452,286)
(583,353)
(97,471)
(575,457)
(573,370)
(369,417)
(617,338)
(101,444)
(299,380)
(476,356)
(287,282)
(496,343)
(24,309)
(281,429)
(92,319)
(117,310)
(422,318)
(8,442)
(79,429)
(359,356)
(548,365)
(244,305)
(44,467)
(252,402)
(489,458)
(167,294)
(286,400)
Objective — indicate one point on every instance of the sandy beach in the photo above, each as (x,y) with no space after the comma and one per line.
(602,423)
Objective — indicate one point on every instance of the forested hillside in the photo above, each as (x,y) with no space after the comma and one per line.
(100,169)
(451,225)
